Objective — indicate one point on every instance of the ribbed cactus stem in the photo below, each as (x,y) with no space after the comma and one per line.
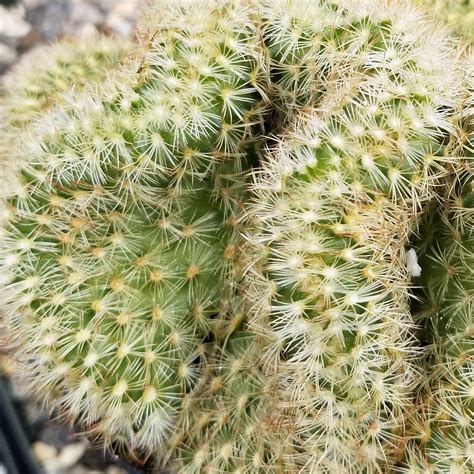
(443,421)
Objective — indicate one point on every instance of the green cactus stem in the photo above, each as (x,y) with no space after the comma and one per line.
(329,268)
(444,420)
(118,250)
(40,78)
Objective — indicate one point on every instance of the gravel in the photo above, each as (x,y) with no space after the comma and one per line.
(27,23)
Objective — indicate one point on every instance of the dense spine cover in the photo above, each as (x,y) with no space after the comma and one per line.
(327,279)
(443,420)
(118,249)
(130,294)
(37,82)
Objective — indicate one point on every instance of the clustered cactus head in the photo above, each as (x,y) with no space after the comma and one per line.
(38,81)
(312,44)
(46,72)
(334,206)
(118,248)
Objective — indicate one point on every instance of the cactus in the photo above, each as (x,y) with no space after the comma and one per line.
(312,44)
(443,422)
(118,250)
(127,295)
(46,72)
(40,78)
(334,207)
(458,14)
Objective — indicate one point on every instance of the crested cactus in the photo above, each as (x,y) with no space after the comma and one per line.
(118,249)
(38,81)
(443,421)
(334,206)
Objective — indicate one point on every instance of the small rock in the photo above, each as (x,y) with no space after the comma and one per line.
(71,453)
(84,30)
(85,13)
(7,57)
(126,9)
(44,452)
(49,18)
(7,54)
(68,457)
(12,24)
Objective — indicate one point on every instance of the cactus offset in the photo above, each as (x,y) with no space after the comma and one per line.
(118,250)
(40,78)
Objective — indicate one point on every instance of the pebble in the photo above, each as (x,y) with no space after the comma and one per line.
(55,462)
(7,54)
(30,22)
(71,453)
(12,24)
(66,459)
(119,24)
(125,9)
(44,452)
(84,13)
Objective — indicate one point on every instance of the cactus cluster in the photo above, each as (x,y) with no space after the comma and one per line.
(334,207)
(206,237)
